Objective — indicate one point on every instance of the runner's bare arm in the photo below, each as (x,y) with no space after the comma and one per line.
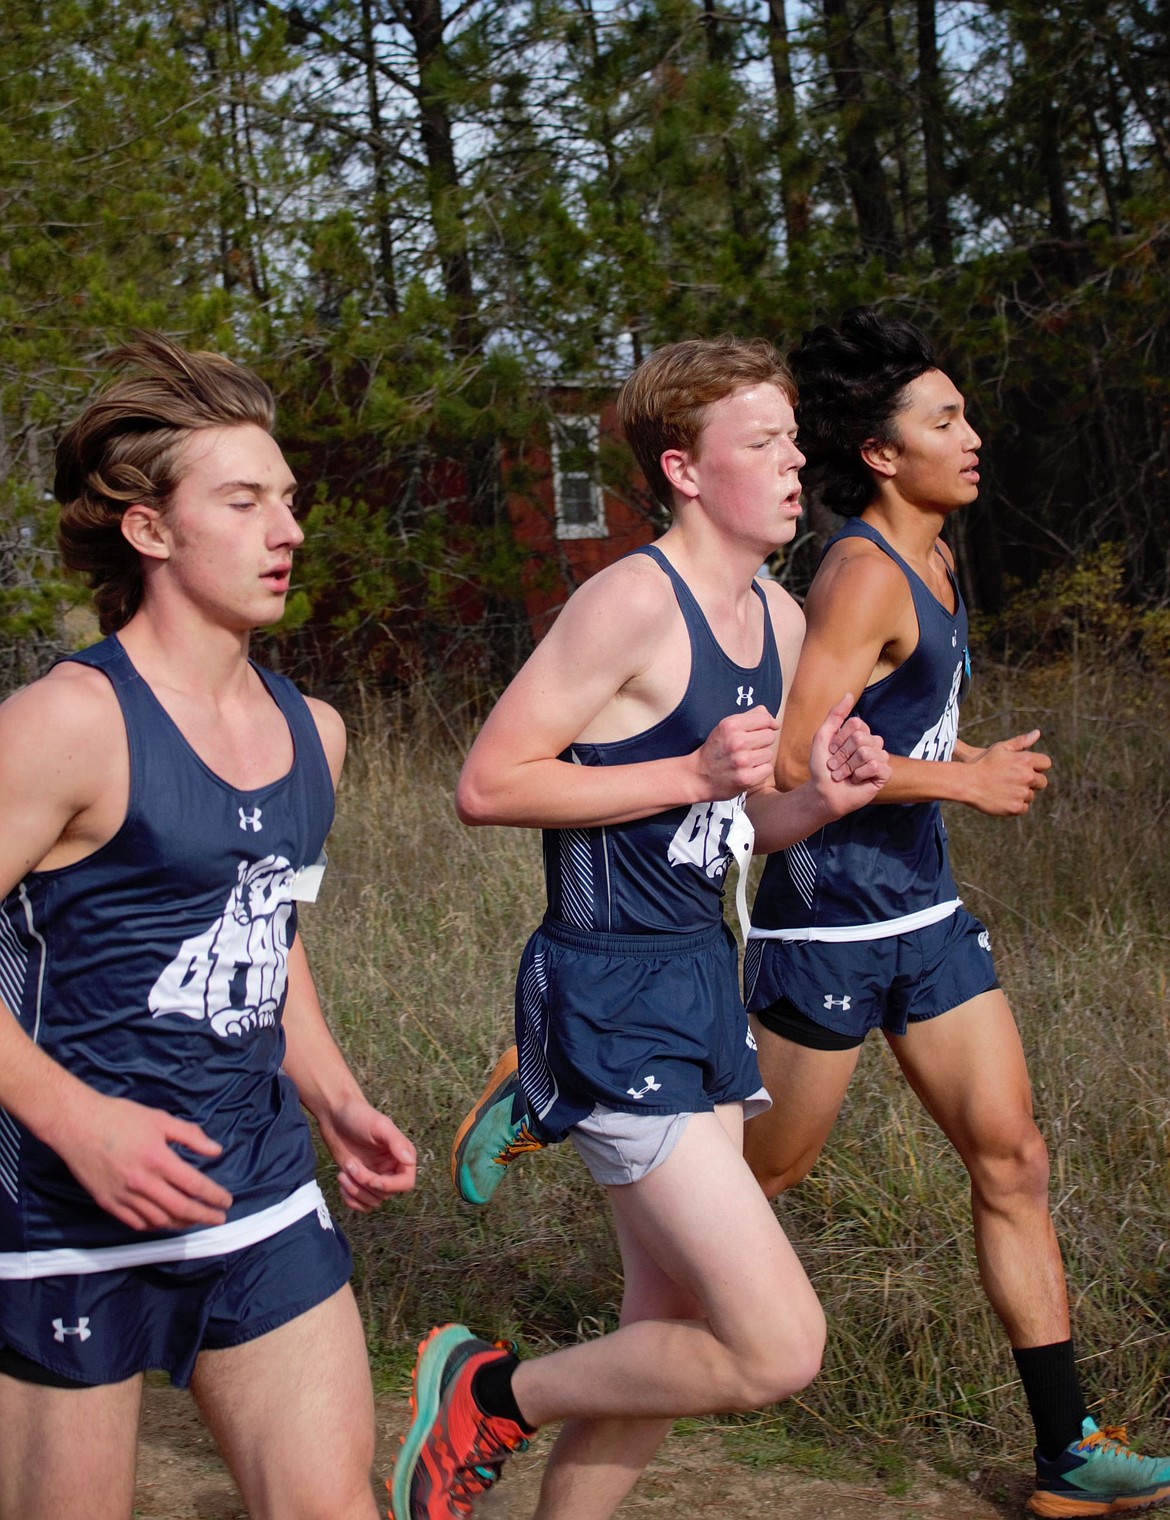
(861,625)
(59,755)
(599,657)
(375,1157)
(788,629)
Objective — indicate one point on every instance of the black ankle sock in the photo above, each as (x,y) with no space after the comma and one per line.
(491,1388)
(1053,1391)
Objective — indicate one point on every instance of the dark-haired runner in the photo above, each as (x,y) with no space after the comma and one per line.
(860,926)
(630,737)
(163,806)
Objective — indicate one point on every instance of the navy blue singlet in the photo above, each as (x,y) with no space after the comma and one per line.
(883,869)
(662,874)
(156,969)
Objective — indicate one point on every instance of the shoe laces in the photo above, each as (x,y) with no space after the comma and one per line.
(476,1476)
(481,1469)
(520,1144)
(1110,1438)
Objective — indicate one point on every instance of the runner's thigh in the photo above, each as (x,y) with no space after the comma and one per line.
(701,1218)
(968,1069)
(807,1088)
(68,1451)
(293,1414)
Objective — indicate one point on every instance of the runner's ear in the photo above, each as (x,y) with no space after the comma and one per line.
(142,529)
(676,466)
(882,458)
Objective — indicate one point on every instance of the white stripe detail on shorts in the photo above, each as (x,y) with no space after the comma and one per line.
(844,934)
(537,1081)
(194,1245)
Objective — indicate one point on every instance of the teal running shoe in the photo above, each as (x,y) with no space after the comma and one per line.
(1098,1475)
(490,1139)
(453,1451)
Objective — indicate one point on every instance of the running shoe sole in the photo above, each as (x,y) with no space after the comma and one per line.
(1052,1506)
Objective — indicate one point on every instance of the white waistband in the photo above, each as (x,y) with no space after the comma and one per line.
(194,1245)
(840,934)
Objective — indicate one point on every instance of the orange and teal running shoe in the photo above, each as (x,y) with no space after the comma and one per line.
(1098,1475)
(453,1451)
(489,1139)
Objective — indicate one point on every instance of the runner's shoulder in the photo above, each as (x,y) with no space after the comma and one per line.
(71,700)
(629,600)
(64,731)
(852,564)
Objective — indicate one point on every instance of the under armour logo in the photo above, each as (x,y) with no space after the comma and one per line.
(843,1003)
(651,1086)
(744,699)
(81,1329)
(985,941)
(250,820)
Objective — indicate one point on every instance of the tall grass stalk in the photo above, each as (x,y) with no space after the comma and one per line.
(415,944)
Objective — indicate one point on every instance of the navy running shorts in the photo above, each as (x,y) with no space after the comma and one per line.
(854,986)
(103,1327)
(640,1023)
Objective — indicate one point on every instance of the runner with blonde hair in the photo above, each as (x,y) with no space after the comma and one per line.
(631,738)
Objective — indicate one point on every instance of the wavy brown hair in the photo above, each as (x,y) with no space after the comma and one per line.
(663,403)
(124,449)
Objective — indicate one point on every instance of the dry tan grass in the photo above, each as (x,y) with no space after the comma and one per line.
(415,946)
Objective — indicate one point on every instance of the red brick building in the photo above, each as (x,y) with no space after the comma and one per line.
(563,509)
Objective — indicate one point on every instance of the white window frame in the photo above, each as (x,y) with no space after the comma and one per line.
(596,526)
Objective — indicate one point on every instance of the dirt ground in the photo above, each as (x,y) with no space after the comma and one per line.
(180,1477)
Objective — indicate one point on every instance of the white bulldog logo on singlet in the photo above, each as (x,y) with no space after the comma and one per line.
(938,743)
(701,838)
(234,973)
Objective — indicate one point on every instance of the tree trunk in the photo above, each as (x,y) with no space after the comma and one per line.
(797,170)
(444,192)
(381,203)
(864,173)
(932,105)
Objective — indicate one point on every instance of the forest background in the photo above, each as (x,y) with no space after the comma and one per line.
(427,221)
(424,220)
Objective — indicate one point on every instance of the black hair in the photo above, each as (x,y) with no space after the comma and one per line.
(852,379)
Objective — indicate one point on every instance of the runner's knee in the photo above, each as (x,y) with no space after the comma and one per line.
(1011,1164)
(782,1362)
(330,1493)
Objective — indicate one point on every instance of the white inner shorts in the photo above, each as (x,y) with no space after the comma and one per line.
(619,1146)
